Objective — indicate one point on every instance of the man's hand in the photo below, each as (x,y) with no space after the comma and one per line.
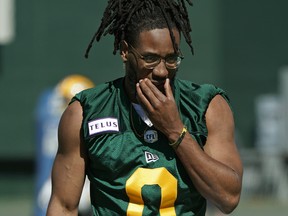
(161,108)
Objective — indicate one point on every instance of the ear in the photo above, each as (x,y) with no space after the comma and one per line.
(124,50)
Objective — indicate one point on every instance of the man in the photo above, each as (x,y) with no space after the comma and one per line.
(150,143)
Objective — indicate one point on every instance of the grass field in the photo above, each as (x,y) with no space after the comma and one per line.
(16,206)
(16,199)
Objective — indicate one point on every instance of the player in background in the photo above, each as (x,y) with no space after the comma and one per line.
(51,104)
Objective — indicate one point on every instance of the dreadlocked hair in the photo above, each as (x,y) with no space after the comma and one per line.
(125,19)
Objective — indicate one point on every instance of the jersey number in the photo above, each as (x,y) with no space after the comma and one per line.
(143,176)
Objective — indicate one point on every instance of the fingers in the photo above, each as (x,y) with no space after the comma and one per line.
(168,90)
(149,93)
(142,98)
(159,103)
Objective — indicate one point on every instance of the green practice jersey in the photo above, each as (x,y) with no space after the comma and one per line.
(131,167)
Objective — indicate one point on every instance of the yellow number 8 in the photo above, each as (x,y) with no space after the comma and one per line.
(143,176)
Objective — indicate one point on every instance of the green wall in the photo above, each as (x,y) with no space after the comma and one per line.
(255,38)
(51,38)
(238,46)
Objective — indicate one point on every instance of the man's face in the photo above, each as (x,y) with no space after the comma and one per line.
(153,43)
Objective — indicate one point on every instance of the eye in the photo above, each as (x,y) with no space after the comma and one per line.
(171,59)
(151,58)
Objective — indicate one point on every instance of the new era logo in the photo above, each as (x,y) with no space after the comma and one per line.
(150,157)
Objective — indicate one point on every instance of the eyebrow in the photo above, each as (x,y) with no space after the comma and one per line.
(149,53)
(155,54)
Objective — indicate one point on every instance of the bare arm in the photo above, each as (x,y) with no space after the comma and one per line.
(217,171)
(68,174)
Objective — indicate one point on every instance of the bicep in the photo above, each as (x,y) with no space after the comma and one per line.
(68,172)
(220,143)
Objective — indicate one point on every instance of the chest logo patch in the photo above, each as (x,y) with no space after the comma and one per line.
(150,157)
(151,136)
(103,125)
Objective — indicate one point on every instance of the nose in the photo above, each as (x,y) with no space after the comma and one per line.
(160,71)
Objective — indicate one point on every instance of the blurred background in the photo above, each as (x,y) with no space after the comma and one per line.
(240,46)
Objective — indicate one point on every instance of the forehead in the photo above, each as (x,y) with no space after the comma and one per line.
(157,39)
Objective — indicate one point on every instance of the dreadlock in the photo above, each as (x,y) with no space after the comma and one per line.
(125,19)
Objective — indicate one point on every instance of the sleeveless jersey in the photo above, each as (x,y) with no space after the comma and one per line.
(132,169)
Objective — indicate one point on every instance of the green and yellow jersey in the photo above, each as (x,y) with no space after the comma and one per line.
(132,169)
